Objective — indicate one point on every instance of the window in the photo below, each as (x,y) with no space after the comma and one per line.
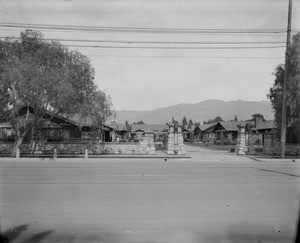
(211,135)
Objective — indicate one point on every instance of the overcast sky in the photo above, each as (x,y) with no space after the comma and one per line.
(144,79)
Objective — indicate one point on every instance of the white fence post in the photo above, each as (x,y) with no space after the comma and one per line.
(55,154)
(86,154)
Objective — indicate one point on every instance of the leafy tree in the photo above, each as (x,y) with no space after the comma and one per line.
(216,119)
(184,122)
(293,89)
(173,120)
(45,76)
(140,122)
(190,123)
(257,115)
(127,126)
(98,108)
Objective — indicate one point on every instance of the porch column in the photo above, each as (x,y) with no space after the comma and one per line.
(222,137)
(241,147)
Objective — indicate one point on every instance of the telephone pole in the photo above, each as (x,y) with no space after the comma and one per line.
(284,93)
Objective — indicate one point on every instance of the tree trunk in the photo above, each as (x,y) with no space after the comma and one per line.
(17,145)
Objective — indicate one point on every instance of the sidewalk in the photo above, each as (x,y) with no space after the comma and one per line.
(159,155)
(265,158)
(208,154)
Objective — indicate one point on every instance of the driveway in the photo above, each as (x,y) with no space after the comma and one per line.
(201,154)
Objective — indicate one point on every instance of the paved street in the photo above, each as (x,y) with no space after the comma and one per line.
(212,197)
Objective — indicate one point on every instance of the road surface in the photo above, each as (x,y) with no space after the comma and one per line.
(212,197)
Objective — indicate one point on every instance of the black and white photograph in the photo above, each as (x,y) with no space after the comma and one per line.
(149,121)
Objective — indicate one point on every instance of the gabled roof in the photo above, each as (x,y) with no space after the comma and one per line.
(186,130)
(76,118)
(58,119)
(230,126)
(267,125)
(116,127)
(47,115)
(149,128)
(205,127)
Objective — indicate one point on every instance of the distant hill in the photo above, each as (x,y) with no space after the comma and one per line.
(198,112)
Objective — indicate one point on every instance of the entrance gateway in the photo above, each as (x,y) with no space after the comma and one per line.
(175,139)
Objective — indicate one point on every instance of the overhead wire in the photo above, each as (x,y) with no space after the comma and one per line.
(139,29)
(186,57)
(281,35)
(159,42)
(136,44)
(177,47)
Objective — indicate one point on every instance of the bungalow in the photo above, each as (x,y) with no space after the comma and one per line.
(205,133)
(227,132)
(49,131)
(138,130)
(186,134)
(263,128)
(53,128)
(117,132)
(60,129)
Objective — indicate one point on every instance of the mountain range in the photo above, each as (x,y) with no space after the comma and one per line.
(199,112)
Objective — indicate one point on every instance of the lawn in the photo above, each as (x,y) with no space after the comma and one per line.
(214,146)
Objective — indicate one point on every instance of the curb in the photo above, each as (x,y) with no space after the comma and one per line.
(258,159)
(92,157)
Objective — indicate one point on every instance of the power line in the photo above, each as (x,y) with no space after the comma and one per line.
(161,42)
(140,29)
(176,47)
(184,57)
(206,34)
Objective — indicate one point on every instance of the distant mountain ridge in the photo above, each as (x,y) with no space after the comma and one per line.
(199,112)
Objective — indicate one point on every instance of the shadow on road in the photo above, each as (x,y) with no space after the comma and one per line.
(278,172)
(23,234)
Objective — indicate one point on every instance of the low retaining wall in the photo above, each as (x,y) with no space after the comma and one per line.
(94,147)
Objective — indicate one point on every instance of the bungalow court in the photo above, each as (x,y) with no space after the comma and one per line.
(70,135)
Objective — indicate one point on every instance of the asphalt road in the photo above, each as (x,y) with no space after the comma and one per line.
(213,197)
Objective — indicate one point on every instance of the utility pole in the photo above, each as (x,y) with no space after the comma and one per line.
(284,94)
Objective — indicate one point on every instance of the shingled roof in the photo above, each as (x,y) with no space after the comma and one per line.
(230,126)
(78,120)
(61,119)
(205,127)
(267,125)
(149,128)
